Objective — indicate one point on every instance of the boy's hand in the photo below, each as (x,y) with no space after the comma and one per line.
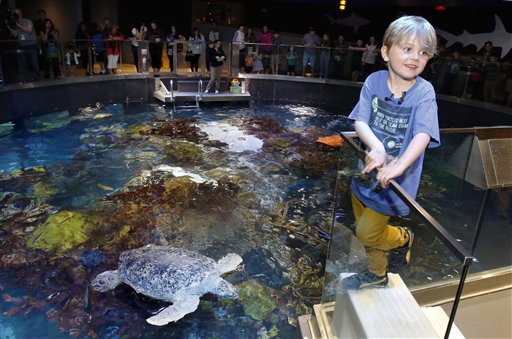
(376,158)
(387,172)
(397,166)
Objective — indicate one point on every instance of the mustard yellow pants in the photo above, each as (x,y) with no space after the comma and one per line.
(377,236)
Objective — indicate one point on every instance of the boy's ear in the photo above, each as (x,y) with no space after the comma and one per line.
(384,53)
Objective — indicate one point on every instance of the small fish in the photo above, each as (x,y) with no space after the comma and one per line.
(101,115)
(324,235)
(86,298)
(105,187)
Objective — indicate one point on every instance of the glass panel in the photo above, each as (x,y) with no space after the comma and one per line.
(461,206)
(431,259)
(455,204)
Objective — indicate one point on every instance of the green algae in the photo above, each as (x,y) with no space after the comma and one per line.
(61,232)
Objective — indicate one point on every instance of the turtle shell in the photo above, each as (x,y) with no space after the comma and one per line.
(161,271)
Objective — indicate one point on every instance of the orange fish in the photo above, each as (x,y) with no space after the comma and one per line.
(334,141)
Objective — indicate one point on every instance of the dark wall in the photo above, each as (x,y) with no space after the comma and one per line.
(340,97)
(297,18)
(16,104)
(166,13)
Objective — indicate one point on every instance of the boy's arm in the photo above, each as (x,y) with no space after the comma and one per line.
(411,154)
(376,155)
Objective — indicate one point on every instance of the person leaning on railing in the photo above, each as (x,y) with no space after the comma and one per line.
(340,51)
(310,41)
(265,47)
(23,30)
(275,56)
(239,43)
(196,44)
(139,33)
(83,43)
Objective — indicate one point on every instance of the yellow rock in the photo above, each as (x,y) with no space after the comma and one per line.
(61,232)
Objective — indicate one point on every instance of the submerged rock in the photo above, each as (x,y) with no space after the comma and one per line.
(93,258)
(256,300)
(61,232)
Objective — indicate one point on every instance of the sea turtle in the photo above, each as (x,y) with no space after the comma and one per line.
(172,274)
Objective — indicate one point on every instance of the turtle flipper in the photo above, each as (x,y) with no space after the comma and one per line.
(229,263)
(106,281)
(180,307)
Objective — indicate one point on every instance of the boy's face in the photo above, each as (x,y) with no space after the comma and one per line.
(407,59)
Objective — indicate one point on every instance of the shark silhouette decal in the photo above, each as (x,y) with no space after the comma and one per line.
(499,37)
(353,20)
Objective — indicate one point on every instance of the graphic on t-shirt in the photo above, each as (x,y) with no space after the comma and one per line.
(389,122)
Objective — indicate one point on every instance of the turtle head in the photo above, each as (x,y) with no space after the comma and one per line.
(106,281)
(225,289)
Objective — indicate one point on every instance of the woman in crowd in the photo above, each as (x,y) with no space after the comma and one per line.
(196,45)
(156,43)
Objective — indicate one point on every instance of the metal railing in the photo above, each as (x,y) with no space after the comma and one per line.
(331,63)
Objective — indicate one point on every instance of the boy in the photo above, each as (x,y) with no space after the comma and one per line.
(291,56)
(396,119)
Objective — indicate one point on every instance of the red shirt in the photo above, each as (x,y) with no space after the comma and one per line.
(265,38)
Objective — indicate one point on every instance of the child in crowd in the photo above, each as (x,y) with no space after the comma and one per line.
(71,58)
(113,48)
(396,120)
(291,57)
(249,61)
(49,37)
(98,47)
(258,63)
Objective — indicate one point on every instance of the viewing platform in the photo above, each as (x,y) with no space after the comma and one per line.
(192,92)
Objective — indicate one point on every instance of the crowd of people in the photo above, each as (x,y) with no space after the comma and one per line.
(480,76)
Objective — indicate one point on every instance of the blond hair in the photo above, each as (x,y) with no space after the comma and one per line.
(411,26)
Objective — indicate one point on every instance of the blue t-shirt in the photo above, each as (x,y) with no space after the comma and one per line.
(395,121)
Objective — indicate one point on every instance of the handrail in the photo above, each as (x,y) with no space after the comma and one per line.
(446,238)
(338,69)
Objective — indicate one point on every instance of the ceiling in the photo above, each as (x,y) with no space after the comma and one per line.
(399,3)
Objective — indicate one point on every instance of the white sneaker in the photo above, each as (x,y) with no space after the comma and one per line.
(216,92)
(206,91)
